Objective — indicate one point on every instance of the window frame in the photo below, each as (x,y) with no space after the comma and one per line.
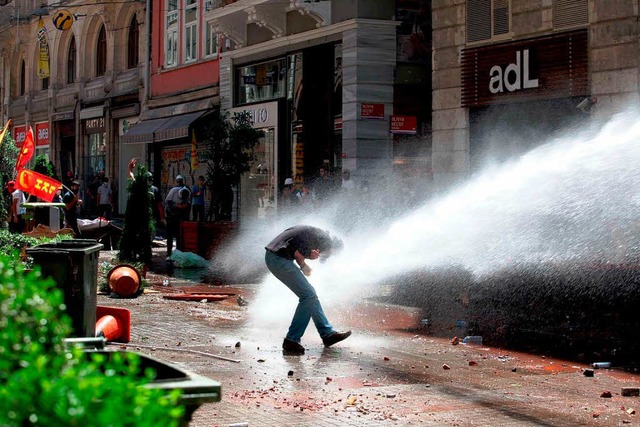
(211,40)
(72,60)
(492,23)
(190,31)
(133,44)
(101,53)
(171,27)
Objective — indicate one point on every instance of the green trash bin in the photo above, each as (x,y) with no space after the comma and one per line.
(73,265)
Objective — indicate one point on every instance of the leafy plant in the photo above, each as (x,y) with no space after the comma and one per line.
(43,165)
(229,152)
(138,229)
(43,383)
(8,156)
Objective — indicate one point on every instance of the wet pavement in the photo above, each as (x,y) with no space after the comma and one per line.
(386,373)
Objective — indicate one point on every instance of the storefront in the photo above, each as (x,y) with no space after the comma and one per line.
(127,153)
(258,196)
(522,94)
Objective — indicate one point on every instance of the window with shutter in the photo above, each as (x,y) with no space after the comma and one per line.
(570,13)
(487,19)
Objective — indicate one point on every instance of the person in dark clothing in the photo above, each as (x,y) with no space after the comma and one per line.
(156,202)
(71,203)
(199,192)
(299,243)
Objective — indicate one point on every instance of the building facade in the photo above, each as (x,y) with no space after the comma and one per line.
(71,72)
(509,75)
(334,85)
(183,76)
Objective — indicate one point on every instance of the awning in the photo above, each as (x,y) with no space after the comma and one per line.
(142,132)
(176,126)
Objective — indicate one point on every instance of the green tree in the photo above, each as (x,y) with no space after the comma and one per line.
(138,229)
(8,156)
(230,144)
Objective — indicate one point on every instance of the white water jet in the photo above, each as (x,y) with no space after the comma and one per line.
(575,199)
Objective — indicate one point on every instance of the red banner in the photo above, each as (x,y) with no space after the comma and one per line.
(26,152)
(37,184)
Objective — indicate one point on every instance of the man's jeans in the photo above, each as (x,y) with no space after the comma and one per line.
(308,305)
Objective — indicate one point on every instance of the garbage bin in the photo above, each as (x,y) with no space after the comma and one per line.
(73,265)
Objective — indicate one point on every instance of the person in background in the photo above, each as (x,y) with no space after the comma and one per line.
(177,206)
(156,202)
(199,192)
(105,199)
(291,197)
(16,211)
(297,244)
(323,185)
(71,203)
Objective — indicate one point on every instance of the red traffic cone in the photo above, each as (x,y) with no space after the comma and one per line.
(113,323)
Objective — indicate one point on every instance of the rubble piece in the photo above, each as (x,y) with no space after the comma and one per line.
(351,400)
(238,344)
(607,394)
(588,373)
(630,391)
(446,367)
(473,363)
(290,373)
(455,341)
(386,359)
(631,411)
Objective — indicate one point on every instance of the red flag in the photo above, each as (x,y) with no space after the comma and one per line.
(26,152)
(37,184)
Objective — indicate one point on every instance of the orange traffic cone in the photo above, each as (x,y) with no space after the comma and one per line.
(124,280)
(113,323)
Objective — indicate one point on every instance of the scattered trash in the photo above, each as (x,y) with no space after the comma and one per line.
(606,394)
(514,369)
(601,365)
(630,391)
(424,322)
(631,411)
(351,400)
(290,373)
(455,341)
(238,344)
(446,367)
(390,395)
(243,424)
(472,339)
(386,359)
(473,363)
(242,302)
(165,281)
(588,372)
(261,360)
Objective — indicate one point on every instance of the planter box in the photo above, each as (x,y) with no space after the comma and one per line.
(205,238)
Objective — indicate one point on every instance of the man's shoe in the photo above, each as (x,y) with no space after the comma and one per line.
(335,337)
(292,347)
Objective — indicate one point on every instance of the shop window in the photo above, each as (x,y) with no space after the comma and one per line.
(133,45)
(71,62)
(487,19)
(23,79)
(171,34)
(95,160)
(210,41)
(261,82)
(101,53)
(569,13)
(190,31)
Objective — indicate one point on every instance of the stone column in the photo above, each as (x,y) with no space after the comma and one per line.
(450,152)
(368,60)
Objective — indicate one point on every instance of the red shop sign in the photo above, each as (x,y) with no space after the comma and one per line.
(371,111)
(19,134)
(42,134)
(404,124)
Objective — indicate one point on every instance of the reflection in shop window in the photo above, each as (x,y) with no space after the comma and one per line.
(261,82)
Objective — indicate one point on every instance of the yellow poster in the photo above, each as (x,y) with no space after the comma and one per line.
(43,57)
